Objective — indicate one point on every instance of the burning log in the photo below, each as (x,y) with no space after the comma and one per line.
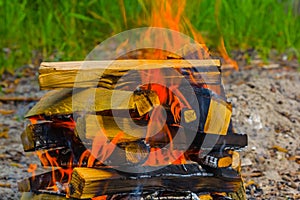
(45,182)
(89,182)
(47,135)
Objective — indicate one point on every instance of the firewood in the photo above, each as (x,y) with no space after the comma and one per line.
(111,127)
(46,135)
(43,182)
(106,73)
(216,160)
(60,102)
(89,182)
(64,157)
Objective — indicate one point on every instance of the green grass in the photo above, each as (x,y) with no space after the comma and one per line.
(69,29)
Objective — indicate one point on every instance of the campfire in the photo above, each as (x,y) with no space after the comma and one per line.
(139,128)
(145,116)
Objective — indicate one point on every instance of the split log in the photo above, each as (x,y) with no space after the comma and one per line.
(63,157)
(208,142)
(45,182)
(47,135)
(132,129)
(61,102)
(216,160)
(89,182)
(107,73)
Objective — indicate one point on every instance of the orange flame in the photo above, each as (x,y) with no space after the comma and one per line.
(104,197)
(159,156)
(101,149)
(63,172)
(31,169)
(170,14)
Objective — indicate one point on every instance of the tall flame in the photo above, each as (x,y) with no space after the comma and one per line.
(170,14)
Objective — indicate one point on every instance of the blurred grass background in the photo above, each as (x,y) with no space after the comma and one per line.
(34,30)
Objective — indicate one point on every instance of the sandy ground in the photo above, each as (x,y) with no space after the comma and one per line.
(266,106)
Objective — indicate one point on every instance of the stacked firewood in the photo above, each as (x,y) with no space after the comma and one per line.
(147,128)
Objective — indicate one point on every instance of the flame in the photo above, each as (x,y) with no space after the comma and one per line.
(57,122)
(31,169)
(104,197)
(165,14)
(101,148)
(46,160)
(221,47)
(158,157)
(170,14)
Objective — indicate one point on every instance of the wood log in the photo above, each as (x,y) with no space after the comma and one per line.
(64,157)
(107,73)
(47,135)
(39,136)
(44,182)
(89,182)
(107,124)
(61,102)
(216,160)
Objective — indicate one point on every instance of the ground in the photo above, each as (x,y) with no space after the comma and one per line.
(266,107)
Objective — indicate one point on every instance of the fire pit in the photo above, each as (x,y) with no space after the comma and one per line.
(151,129)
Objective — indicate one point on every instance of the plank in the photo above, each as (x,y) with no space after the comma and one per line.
(111,74)
(89,182)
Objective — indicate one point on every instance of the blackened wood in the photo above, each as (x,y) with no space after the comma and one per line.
(42,182)
(64,157)
(47,135)
(41,136)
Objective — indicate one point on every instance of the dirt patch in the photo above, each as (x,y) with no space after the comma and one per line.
(266,106)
